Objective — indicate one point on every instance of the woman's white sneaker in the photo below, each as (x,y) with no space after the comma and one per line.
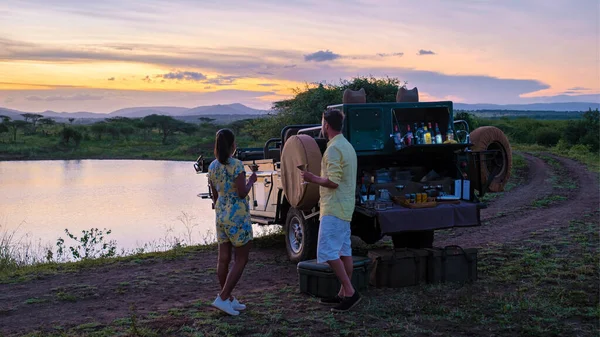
(236,305)
(225,306)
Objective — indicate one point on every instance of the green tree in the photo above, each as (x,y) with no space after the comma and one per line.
(206,122)
(308,104)
(547,137)
(585,131)
(169,125)
(71,120)
(98,129)
(127,130)
(34,119)
(14,127)
(3,128)
(144,126)
(46,122)
(68,133)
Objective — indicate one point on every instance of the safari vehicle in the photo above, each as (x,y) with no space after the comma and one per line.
(477,161)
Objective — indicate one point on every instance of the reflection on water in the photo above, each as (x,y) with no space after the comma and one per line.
(141,201)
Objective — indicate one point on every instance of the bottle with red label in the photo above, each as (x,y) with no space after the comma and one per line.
(409,136)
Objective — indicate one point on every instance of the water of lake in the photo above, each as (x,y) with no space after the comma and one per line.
(141,201)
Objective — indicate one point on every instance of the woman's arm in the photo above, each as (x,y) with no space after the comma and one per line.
(244,187)
(215,194)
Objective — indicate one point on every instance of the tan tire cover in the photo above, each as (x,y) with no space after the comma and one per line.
(298,150)
(490,137)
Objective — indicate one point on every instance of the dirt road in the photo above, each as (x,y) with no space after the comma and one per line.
(548,197)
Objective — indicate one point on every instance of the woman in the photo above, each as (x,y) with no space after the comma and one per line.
(227,180)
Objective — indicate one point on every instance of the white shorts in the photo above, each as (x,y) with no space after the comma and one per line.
(334,239)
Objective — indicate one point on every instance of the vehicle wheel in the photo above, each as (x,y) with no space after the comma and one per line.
(300,236)
(492,138)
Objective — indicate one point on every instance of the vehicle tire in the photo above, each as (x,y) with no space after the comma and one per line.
(492,138)
(301,236)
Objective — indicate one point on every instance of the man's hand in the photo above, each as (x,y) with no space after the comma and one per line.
(309,177)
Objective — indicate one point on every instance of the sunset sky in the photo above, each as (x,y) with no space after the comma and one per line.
(100,56)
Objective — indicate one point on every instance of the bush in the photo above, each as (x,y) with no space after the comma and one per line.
(547,137)
(585,131)
(579,150)
(562,146)
(69,133)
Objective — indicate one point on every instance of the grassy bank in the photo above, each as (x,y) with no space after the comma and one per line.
(544,286)
(578,153)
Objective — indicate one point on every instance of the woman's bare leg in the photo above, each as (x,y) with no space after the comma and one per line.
(239,263)
(223,262)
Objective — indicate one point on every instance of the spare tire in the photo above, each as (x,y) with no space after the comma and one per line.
(492,138)
(300,150)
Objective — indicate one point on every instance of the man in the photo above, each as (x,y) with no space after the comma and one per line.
(337,190)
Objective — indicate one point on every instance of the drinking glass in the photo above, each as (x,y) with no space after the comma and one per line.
(303,167)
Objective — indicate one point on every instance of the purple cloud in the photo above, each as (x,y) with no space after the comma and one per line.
(392,54)
(184,75)
(321,56)
(425,52)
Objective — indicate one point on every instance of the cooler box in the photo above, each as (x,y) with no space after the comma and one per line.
(451,264)
(398,268)
(318,279)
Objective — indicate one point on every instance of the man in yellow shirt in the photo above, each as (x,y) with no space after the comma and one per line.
(337,199)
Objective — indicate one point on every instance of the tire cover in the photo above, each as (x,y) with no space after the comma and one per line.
(491,137)
(298,150)
(354,96)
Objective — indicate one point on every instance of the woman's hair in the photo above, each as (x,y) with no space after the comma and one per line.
(224,145)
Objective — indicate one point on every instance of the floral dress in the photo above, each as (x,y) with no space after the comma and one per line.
(232,212)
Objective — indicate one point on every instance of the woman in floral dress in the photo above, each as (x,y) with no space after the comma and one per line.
(227,180)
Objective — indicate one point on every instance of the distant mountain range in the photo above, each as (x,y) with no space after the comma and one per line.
(136,112)
(229,112)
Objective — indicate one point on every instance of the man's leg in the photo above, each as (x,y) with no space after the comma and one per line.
(348,267)
(346,251)
(328,248)
(340,271)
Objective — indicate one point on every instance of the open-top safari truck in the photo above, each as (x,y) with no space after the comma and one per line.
(392,171)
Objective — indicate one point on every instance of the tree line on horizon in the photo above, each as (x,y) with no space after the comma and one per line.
(305,107)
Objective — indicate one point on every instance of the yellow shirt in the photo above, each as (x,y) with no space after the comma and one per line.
(339,165)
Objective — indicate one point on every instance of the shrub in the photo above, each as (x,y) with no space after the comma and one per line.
(579,150)
(562,146)
(547,137)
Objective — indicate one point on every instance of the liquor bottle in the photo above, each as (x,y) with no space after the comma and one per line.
(426,135)
(450,134)
(363,190)
(397,138)
(418,135)
(438,134)
(409,136)
(431,132)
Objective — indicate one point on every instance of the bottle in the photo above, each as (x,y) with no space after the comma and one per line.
(363,190)
(397,138)
(409,136)
(431,132)
(450,134)
(438,134)
(426,135)
(422,133)
(418,135)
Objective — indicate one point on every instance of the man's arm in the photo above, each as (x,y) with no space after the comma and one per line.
(334,171)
